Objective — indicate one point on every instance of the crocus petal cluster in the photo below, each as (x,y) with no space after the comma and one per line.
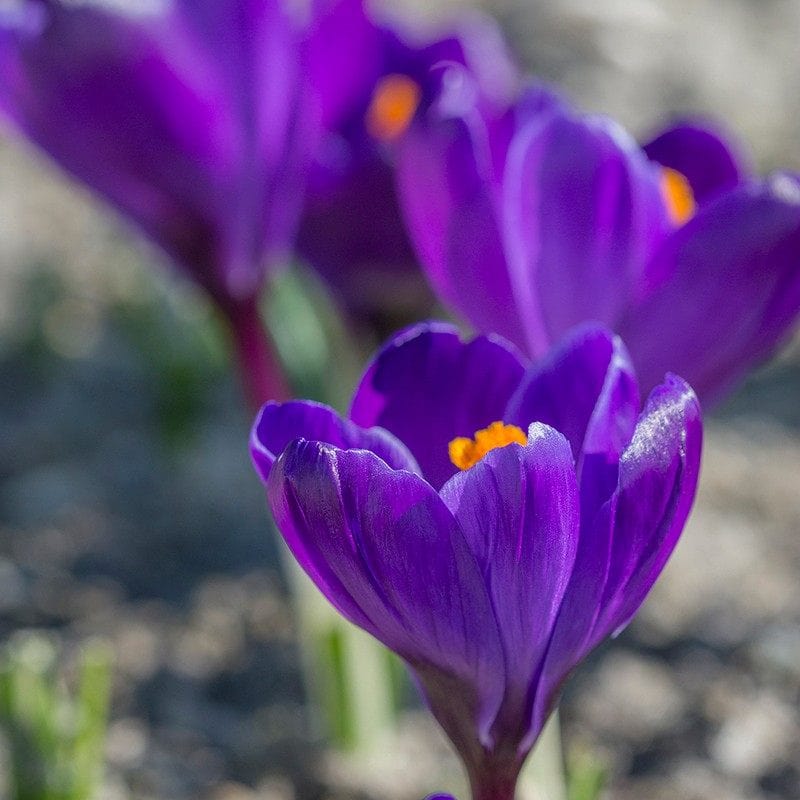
(371,81)
(494,581)
(540,218)
(189,116)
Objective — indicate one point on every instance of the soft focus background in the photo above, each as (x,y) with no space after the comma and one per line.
(128,508)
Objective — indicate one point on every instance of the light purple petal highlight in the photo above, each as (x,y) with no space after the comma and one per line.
(657,483)
(625,544)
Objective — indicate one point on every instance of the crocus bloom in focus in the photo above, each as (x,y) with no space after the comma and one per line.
(189,116)
(489,521)
(538,219)
(371,82)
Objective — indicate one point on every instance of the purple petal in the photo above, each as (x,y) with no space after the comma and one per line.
(352,233)
(385,550)
(657,484)
(278,424)
(352,228)
(518,508)
(585,389)
(343,76)
(729,290)
(155,113)
(449,195)
(626,543)
(707,159)
(479,45)
(583,211)
(428,387)
(22,17)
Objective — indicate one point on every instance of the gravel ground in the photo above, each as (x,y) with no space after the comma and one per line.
(128,509)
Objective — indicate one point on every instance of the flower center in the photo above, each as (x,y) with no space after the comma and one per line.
(465,453)
(392,107)
(678,195)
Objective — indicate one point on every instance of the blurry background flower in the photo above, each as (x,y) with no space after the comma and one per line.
(534,224)
(352,229)
(164,112)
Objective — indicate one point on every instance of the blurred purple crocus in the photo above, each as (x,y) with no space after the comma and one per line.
(534,220)
(191,117)
(369,91)
(489,521)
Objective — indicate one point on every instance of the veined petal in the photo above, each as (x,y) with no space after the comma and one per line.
(385,550)
(585,389)
(725,290)
(626,543)
(518,509)
(582,212)
(658,476)
(278,424)
(428,387)
(708,160)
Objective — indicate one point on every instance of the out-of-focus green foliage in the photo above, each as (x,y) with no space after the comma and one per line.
(322,358)
(586,775)
(55,737)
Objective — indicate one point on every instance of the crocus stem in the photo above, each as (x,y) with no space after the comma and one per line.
(495,780)
(540,778)
(259,366)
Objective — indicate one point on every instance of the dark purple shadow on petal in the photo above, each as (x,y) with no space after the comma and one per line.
(518,508)
(352,233)
(428,387)
(726,290)
(707,159)
(586,389)
(385,550)
(278,424)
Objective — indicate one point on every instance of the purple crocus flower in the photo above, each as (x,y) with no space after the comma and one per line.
(369,91)
(190,117)
(535,220)
(489,521)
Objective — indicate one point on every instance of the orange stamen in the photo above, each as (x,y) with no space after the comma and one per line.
(678,195)
(393,106)
(465,453)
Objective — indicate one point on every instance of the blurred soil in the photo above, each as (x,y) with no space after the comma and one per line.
(128,508)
